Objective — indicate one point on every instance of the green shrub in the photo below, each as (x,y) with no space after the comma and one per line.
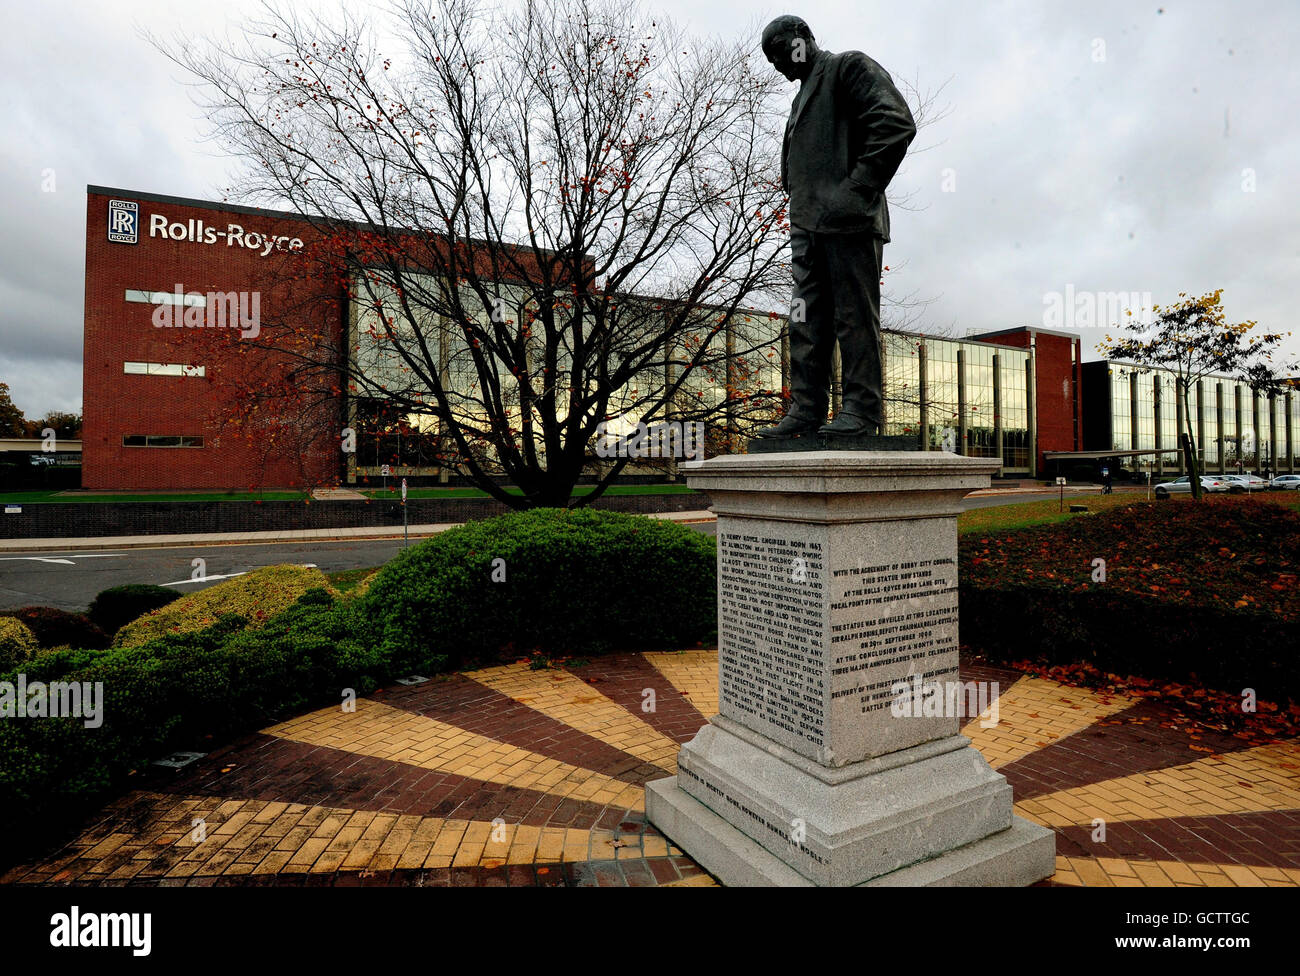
(576,582)
(255,596)
(117,606)
(53,627)
(17,643)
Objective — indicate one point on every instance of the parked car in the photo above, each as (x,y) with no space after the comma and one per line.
(1238,483)
(1184,484)
(1291,481)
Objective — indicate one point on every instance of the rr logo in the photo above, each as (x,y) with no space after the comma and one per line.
(123,221)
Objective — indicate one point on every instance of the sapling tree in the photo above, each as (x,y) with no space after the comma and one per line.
(1192,339)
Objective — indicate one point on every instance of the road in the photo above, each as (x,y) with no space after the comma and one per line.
(70,580)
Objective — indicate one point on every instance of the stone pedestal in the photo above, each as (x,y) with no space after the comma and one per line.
(836,757)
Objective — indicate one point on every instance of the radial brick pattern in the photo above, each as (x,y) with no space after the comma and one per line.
(509,776)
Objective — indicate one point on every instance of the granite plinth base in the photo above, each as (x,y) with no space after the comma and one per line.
(1015,857)
(845,825)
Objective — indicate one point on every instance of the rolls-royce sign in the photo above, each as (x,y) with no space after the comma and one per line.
(124,228)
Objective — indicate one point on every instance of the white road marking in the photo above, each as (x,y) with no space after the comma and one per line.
(205,579)
(58,559)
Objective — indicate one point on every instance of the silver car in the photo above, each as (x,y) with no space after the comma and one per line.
(1238,483)
(1184,484)
(1291,481)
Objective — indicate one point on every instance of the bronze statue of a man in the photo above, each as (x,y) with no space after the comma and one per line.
(848,131)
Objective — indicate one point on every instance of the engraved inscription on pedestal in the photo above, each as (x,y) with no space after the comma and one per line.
(815,640)
(893,624)
(771,631)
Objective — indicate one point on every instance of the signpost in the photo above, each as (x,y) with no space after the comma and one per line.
(406,541)
(1060,483)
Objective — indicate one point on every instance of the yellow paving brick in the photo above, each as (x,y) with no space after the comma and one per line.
(345,839)
(273,863)
(108,845)
(328,862)
(414,854)
(1090,872)
(576,845)
(360,854)
(1114,866)
(523,849)
(693,673)
(308,853)
(1150,874)
(550,844)
(269,812)
(1179,872)
(396,840)
(1242,877)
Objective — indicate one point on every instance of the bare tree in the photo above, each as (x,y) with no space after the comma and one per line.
(543,218)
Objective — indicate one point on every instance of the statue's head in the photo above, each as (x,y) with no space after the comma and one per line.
(789,45)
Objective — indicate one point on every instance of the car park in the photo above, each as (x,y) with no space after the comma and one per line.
(1184,485)
(1239,483)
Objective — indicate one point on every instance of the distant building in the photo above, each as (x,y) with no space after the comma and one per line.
(1133,413)
(1011,395)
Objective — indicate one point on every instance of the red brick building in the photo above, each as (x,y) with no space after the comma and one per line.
(1058,393)
(175,287)
(153,388)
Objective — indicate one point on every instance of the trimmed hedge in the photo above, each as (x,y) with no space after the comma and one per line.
(577,582)
(255,596)
(117,606)
(53,627)
(1202,592)
(17,643)
(1128,633)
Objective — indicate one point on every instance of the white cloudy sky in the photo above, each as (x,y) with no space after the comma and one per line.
(1116,174)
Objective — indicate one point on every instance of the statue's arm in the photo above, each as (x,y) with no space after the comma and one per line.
(883,119)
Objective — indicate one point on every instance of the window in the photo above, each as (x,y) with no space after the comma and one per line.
(161,440)
(162,369)
(195,299)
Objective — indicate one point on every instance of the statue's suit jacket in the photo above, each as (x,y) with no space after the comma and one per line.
(844,141)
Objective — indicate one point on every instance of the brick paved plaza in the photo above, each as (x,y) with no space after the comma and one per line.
(406,789)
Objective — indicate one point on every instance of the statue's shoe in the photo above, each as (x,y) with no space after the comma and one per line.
(850,425)
(791,426)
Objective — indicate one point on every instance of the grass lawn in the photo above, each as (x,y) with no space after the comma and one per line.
(1045,512)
